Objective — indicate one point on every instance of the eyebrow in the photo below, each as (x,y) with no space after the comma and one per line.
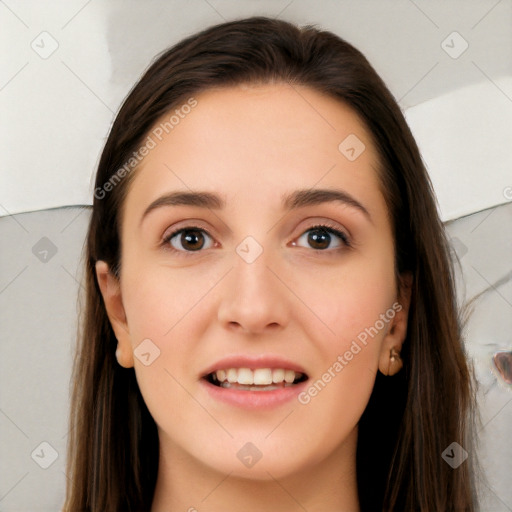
(309,197)
(292,201)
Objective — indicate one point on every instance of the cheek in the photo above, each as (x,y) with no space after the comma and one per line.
(360,314)
(162,306)
(159,300)
(167,307)
(351,303)
(355,306)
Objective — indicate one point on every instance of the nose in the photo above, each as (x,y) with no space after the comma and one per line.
(253,299)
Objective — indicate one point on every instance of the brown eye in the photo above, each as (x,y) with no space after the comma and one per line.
(188,239)
(323,237)
(319,238)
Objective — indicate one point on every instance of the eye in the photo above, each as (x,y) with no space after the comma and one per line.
(189,239)
(320,238)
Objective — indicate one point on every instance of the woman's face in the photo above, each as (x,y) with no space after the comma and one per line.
(240,285)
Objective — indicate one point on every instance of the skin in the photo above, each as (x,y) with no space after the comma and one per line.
(252,145)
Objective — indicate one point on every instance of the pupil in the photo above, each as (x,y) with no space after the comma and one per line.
(194,240)
(319,238)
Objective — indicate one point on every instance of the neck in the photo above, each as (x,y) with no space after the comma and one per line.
(185,484)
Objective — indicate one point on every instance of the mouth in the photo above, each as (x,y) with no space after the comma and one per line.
(259,379)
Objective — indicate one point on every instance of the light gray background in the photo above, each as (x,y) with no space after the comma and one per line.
(38,297)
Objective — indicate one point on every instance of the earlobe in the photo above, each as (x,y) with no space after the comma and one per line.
(112,298)
(390,361)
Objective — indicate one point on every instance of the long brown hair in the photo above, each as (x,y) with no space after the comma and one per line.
(411,418)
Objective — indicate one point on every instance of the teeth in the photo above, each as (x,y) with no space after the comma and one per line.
(245,376)
(289,376)
(231,374)
(277,375)
(263,376)
(258,377)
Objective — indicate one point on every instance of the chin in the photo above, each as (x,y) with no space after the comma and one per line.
(249,462)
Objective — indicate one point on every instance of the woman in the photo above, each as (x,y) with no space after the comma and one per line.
(270,320)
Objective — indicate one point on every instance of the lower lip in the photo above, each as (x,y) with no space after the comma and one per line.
(259,400)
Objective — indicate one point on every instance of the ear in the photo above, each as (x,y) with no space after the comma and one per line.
(111,292)
(390,362)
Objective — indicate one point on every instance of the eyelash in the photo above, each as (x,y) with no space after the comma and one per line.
(328,228)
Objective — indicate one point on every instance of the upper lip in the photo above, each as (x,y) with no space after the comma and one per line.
(253,363)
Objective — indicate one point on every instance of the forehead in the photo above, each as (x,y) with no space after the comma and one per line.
(252,144)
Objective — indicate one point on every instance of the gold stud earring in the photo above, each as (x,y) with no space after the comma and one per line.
(395,362)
